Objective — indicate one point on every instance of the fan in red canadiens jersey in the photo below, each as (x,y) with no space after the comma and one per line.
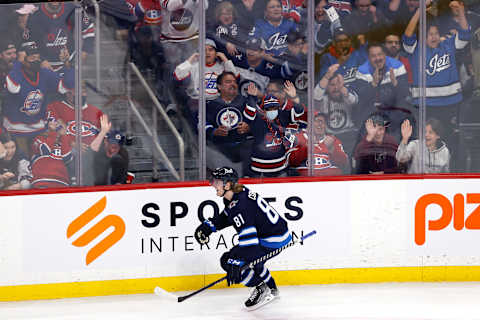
(329,158)
(52,152)
(269,151)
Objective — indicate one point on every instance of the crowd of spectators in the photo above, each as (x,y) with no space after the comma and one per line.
(366,81)
(366,85)
(38,130)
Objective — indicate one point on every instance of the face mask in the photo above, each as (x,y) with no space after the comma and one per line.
(272,114)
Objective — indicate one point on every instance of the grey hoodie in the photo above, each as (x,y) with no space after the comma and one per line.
(436,161)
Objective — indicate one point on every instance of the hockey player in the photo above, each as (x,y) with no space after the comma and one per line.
(260,230)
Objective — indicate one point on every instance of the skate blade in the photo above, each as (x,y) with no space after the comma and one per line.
(268,298)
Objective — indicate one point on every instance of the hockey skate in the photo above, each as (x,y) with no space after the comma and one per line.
(260,296)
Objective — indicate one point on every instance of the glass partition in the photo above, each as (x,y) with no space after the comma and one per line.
(165,93)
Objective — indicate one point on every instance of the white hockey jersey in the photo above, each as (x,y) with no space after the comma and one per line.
(187,71)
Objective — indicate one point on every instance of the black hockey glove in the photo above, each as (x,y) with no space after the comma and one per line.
(202,232)
(234,274)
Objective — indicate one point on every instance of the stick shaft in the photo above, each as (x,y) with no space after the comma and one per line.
(250,265)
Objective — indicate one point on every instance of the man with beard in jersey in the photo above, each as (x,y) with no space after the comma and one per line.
(226,129)
(28,86)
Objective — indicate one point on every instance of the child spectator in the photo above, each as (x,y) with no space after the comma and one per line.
(436,156)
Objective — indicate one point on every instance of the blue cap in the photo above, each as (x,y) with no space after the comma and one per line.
(116,136)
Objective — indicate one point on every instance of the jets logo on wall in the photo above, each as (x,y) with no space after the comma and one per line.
(301,80)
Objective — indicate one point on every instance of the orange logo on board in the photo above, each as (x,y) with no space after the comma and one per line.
(455,211)
(91,234)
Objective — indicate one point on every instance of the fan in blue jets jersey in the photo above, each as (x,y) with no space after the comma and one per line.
(260,230)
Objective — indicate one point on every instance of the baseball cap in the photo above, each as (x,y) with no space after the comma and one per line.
(380,119)
(339,31)
(116,136)
(210,42)
(254,44)
(30,48)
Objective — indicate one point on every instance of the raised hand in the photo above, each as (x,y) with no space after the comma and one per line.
(289,89)
(406,129)
(252,89)
(371,130)
(194,58)
(105,124)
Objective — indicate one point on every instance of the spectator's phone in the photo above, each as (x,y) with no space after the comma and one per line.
(332,14)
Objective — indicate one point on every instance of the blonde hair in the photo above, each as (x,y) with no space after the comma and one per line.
(237,188)
(225,5)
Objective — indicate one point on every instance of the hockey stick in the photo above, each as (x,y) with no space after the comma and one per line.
(250,265)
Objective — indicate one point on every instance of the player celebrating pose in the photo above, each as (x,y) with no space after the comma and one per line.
(260,230)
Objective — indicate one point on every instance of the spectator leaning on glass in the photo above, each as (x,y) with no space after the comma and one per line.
(436,156)
(375,153)
(15,171)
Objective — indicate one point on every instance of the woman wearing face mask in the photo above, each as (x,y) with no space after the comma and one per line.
(271,141)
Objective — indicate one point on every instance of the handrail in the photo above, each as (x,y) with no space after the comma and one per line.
(97,41)
(181,144)
(157,146)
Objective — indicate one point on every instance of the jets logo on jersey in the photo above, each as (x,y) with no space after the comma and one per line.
(211,83)
(229,117)
(301,80)
(438,63)
(57,40)
(277,41)
(87,129)
(337,119)
(153,17)
(33,103)
(181,19)
(350,74)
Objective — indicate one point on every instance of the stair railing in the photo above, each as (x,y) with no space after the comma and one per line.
(181,145)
